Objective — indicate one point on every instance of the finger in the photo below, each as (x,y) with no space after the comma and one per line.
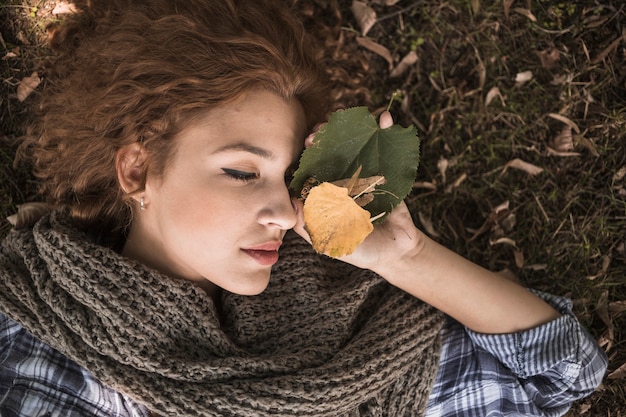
(308,141)
(386,120)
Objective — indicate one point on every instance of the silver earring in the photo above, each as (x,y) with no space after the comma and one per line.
(142,205)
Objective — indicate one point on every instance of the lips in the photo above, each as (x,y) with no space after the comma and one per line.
(265,254)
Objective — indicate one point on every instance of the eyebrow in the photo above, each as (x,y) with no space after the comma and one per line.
(246,147)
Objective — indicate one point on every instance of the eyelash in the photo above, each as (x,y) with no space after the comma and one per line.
(240,175)
(249,176)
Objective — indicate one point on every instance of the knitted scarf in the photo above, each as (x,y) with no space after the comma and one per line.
(324,339)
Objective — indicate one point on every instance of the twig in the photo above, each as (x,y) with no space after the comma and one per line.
(609,49)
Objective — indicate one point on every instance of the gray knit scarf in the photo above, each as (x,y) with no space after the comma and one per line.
(324,339)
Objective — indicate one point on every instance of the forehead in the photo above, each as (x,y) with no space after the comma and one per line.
(258,122)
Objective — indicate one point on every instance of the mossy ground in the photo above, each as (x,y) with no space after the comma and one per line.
(562,230)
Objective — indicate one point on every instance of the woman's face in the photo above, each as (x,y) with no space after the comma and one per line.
(218,214)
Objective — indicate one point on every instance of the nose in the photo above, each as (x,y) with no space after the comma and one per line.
(278,210)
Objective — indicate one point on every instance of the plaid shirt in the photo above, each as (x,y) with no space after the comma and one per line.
(539,372)
(38,381)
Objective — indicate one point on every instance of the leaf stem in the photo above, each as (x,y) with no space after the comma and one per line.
(393,98)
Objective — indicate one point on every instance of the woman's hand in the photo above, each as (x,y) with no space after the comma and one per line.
(391,239)
(480,299)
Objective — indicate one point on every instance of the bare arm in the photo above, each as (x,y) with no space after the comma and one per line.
(481,300)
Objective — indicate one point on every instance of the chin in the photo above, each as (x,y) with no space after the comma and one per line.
(252,287)
(252,291)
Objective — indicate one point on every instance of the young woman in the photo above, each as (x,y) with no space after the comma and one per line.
(166,279)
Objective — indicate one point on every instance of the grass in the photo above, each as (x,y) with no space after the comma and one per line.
(567,223)
(563,230)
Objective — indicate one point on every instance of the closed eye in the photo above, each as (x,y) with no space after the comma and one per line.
(240,175)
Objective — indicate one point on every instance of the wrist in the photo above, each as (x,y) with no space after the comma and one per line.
(409,257)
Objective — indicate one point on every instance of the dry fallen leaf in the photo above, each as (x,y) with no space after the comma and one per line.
(617,307)
(563,142)
(475,6)
(584,408)
(457,183)
(503,241)
(591,147)
(557,153)
(619,373)
(522,165)
(620,174)
(21,36)
(507,8)
(63,7)
(549,57)
(602,309)
(364,15)
(427,224)
(442,166)
(492,94)
(523,77)
(13,53)
(376,48)
(525,12)
(502,207)
(27,86)
(335,222)
(497,213)
(425,185)
(565,120)
(404,64)
(27,214)
(606,262)
(609,49)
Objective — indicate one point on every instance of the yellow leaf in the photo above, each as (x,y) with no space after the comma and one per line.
(335,222)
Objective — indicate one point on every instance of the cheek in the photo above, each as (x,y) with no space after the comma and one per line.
(206,212)
(196,211)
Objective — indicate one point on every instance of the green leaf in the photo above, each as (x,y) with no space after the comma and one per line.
(352,138)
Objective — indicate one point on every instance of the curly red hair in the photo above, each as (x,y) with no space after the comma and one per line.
(140,71)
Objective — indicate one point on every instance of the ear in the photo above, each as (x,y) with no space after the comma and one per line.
(130,165)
